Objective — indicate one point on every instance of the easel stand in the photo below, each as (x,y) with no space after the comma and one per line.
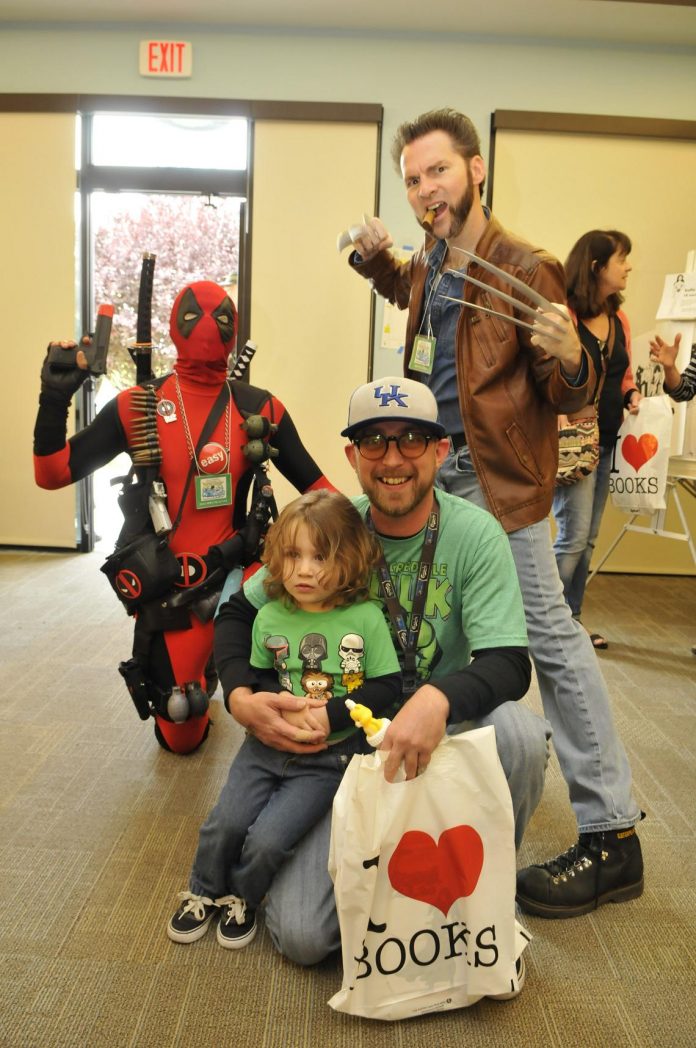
(657,522)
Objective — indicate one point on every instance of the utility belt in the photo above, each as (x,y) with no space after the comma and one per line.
(143,570)
(175,704)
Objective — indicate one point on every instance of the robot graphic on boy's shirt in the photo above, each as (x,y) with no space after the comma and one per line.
(351,651)
(316,683)
(280,647)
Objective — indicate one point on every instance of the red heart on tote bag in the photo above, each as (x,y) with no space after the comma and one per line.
(638,451)
(437,873)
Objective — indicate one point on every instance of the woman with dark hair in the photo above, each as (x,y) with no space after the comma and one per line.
(597,269)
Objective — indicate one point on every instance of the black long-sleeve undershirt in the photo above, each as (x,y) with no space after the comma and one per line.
(494,676)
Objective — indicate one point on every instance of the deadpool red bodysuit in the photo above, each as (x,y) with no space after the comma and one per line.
(172,661)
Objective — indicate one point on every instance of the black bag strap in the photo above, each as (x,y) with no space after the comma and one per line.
(605,352)
(210,424)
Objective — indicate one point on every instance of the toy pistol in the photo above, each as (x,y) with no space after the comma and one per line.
(60,359)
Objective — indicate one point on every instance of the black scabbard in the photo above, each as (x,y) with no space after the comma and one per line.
(142,351)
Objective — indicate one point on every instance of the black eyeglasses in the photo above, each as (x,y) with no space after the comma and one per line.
(411,444)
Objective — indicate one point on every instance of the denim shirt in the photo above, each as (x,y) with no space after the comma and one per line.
(440,318)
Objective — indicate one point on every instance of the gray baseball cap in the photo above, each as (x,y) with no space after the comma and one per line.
(392,399)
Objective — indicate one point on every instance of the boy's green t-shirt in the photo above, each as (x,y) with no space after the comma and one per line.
(323,654)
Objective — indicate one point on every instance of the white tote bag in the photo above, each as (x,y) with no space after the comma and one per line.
(639,472)
(424,879)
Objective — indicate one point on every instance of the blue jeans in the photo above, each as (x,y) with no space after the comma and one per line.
(269,802)
(578,510)
(300,911)
(573,691)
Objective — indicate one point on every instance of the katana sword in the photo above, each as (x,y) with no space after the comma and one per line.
(142,350)
(242,360)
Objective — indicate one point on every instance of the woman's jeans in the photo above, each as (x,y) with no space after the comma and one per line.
(578,510)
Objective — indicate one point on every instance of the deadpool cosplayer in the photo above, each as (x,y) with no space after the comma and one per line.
(185,501)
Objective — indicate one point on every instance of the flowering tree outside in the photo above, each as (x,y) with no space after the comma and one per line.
(193,238)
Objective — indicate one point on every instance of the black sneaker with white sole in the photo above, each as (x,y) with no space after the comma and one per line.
(237,924)
(192,920)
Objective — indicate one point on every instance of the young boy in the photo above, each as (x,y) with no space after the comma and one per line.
(320,637)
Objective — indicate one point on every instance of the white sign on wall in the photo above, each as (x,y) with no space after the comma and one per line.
(678,297)
(166,58)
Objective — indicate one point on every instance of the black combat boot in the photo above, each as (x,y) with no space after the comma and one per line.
(601,867)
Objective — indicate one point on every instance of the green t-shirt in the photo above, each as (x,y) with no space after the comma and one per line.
(323,654)
(473,599)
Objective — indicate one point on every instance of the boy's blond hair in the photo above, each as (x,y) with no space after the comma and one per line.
(338,533)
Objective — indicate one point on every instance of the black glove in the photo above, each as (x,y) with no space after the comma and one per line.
(243,549)
(62,375)
(227,554)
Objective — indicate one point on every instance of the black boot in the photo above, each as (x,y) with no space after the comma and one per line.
(601,867)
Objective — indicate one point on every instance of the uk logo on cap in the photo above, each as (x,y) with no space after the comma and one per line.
(385,398)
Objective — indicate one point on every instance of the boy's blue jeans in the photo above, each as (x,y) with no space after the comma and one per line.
(269,802)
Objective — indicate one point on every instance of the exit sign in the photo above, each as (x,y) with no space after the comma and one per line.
(166,58)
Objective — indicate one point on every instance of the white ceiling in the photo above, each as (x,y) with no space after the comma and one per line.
(612,21)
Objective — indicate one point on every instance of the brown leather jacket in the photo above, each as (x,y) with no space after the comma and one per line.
(510,392)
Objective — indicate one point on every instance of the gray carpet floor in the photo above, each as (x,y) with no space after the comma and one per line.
(98,827)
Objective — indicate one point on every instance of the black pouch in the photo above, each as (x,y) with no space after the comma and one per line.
(163,615)
(141,570)
(205,607)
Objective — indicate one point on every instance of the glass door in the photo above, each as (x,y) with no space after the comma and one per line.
(192,238)
(173,187)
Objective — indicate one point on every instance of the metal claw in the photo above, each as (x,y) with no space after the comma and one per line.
(538,327)
(491,312)
(519,285)
(522,306)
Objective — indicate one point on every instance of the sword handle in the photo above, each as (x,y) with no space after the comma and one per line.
(242,360)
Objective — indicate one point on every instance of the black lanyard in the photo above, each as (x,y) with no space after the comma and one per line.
(407,632)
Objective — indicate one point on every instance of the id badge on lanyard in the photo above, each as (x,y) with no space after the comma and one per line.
(423,354)
(213,490)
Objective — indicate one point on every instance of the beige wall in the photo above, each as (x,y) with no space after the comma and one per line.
(37,275)
(309,314)
(552,188)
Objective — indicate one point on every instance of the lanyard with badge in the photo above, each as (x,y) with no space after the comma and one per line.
(423,350)
(407,632)
(216,489)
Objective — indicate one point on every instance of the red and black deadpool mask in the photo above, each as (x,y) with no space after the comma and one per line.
(203,327)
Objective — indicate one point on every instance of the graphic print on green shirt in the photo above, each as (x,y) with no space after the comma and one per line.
(325,653)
